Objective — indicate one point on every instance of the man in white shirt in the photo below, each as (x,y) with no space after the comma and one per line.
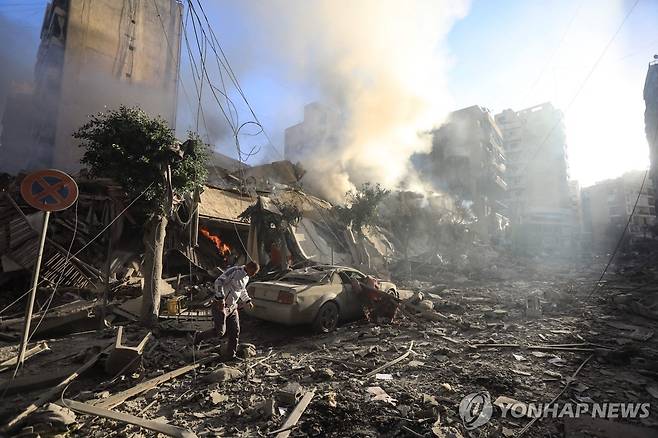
(230,291)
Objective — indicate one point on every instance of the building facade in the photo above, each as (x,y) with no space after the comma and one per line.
(543,209)
(467,161)
(651,117)
(607,206)
(95,56)
(321,128)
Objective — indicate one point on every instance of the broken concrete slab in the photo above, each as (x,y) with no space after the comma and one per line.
(124,359)
(290,394)
(222,374)
(53,392)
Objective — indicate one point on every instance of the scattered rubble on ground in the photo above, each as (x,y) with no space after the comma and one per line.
(403,378)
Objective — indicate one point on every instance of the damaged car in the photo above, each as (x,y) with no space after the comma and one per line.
(321,296)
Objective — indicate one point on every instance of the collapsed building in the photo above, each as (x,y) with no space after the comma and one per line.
(227,224)
(607,207)
(467,161)
(541,206)
(85,65)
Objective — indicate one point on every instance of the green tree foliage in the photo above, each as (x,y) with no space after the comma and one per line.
(361,206)
(141,153)
(134,149)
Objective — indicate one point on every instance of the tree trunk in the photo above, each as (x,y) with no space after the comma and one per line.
(154,237)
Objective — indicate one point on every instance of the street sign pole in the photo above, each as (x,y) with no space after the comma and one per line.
(46,190)
(33,293)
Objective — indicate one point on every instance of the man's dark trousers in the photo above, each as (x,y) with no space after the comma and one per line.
(223,323)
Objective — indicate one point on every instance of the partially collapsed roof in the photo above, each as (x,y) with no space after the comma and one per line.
(223,205)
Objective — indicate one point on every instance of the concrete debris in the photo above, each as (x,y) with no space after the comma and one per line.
(446,432)
(223,374)
(246,351)
(51,420)
(289,394)
(266,409)
(398,366)
(124,359)
(216,397)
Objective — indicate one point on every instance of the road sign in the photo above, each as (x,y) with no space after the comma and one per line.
(49,190)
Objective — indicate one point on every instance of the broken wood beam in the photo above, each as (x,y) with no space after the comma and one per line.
(393,362)
(115,400)
(552,348)
(555,347)
(124,314)
(155,426)
(294,416)
(10,363)
(260,361)
(569,381)
(495,345)
(54,391)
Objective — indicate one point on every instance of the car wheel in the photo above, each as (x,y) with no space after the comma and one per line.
(394,293)
(327,318)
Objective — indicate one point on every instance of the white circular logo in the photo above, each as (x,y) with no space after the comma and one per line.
(475,409)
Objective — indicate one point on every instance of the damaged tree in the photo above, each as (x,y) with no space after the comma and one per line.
(361,211)
(142,154)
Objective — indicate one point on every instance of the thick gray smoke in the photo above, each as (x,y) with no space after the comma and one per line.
(381,63)
(17,55)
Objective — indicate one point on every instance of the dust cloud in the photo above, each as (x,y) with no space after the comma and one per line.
(381,65)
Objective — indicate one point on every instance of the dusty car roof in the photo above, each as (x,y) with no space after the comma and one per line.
(334,267)
(310,273)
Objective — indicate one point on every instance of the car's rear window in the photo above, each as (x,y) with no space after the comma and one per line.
(306,277)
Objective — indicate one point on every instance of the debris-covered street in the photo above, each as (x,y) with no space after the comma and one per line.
(403,378)
(328,218)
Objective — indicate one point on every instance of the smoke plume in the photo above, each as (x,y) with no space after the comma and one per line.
(17,53)
(381,64)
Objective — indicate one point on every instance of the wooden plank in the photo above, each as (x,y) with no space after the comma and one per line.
(118,398)
(156,426)
(55,391)
(393,362)
(294,416)
(9,363)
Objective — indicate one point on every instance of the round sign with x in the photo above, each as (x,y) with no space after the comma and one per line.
(49,190)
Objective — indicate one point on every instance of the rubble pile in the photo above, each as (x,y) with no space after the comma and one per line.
(524,341)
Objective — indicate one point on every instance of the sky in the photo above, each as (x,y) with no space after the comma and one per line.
(497,54)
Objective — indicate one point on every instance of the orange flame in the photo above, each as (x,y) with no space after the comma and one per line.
(222,247)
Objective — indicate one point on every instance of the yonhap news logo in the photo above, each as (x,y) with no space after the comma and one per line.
(476,409)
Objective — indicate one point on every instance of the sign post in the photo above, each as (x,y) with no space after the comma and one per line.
(46,190)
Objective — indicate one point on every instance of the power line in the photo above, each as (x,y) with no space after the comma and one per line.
(90,241)
(557,49)
(621,238)
(50,299)
(623,234)
(524,169)
(223,59)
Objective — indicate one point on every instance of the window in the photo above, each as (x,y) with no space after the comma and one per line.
(348,276)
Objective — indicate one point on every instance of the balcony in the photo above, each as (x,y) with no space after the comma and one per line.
(500,183)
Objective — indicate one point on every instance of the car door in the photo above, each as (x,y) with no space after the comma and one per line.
(350,298)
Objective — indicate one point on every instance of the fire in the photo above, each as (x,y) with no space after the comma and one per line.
(222,247)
